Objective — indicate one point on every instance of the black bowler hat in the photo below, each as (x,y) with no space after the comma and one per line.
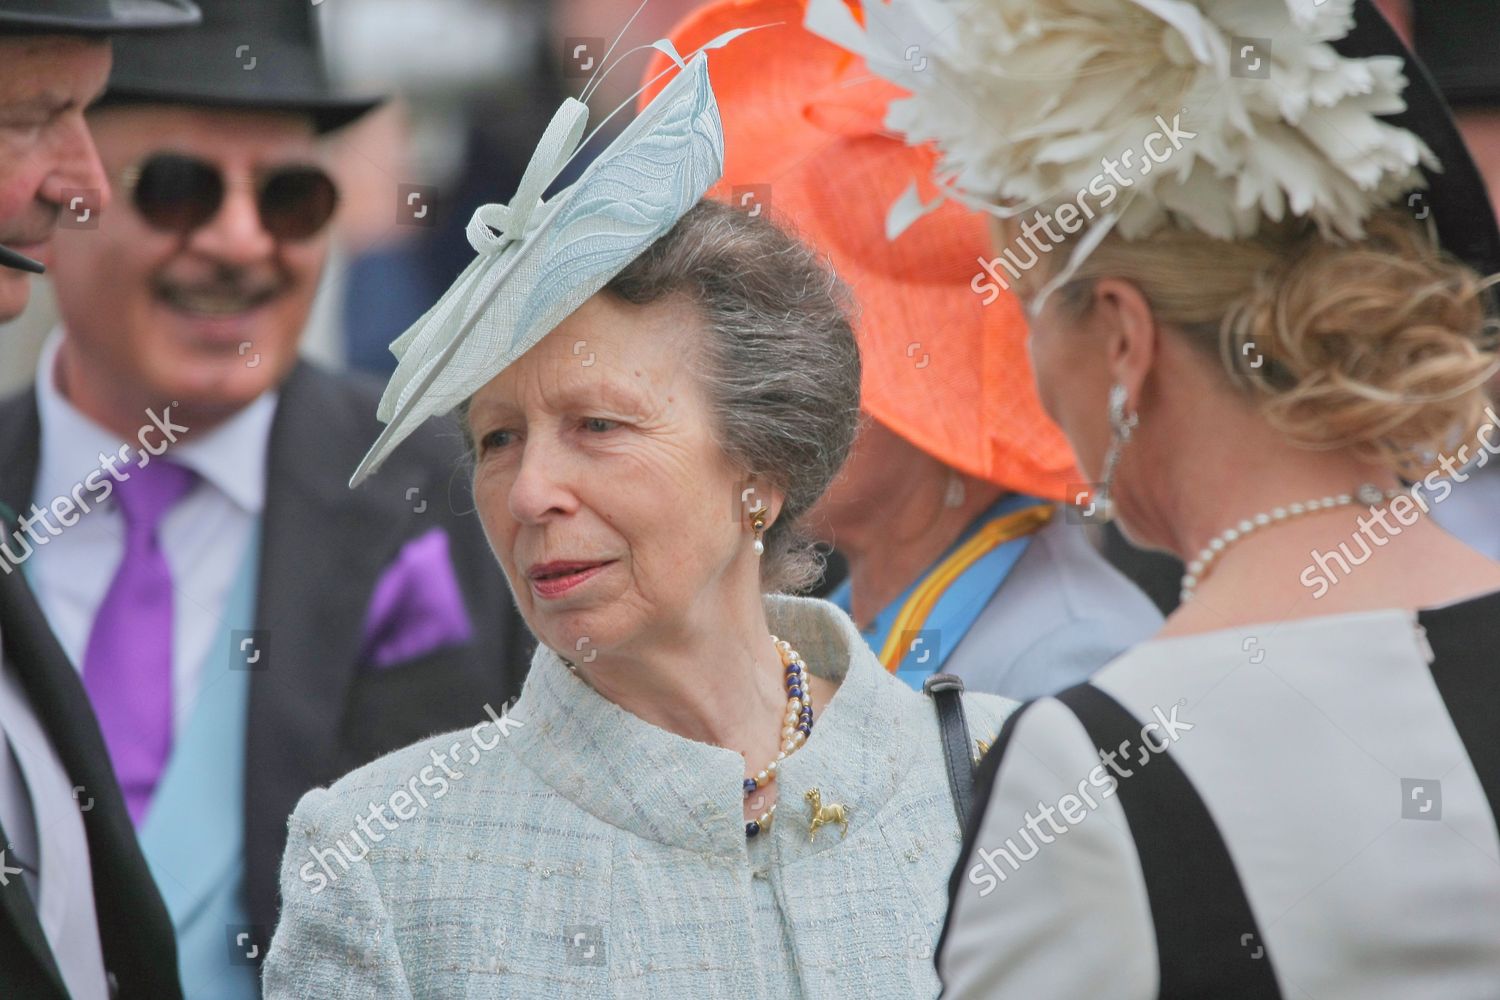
(93,17)
(1460,41)
(1457,196)
(263,55)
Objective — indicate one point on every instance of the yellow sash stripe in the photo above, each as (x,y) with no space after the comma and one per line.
(913,614)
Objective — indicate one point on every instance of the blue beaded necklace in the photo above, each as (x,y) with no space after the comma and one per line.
(796,727)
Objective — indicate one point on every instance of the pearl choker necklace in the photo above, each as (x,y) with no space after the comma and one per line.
(796,726)
(1198,569)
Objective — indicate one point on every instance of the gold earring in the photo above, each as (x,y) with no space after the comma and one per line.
(758,524)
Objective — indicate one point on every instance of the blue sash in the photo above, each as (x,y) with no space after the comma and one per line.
(961,603)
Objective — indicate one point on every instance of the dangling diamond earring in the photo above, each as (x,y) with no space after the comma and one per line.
(758,524)
(1121,427)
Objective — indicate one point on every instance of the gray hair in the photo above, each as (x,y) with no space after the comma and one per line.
(779,365)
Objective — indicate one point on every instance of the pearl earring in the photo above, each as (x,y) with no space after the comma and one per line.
(758,524)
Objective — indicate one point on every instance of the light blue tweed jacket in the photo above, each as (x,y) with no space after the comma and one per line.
(585,853)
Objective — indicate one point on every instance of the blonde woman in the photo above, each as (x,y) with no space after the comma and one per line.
(1269,347)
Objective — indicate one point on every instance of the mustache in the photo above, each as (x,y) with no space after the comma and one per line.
(225,281)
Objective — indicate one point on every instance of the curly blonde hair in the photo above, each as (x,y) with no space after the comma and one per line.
(1382,347)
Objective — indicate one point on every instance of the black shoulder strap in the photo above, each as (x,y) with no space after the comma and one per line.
(984,782)
(1207,940)
(946,692)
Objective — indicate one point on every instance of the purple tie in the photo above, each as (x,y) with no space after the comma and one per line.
(127,668)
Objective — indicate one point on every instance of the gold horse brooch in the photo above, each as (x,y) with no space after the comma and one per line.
(823,815)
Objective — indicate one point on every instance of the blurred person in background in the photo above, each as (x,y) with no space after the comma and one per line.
(1293,789)
(80,917)
(960,560)
(705,780)
(245,629)
(477,79)
(474,95)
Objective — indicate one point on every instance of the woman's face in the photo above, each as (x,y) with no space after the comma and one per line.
(600,484)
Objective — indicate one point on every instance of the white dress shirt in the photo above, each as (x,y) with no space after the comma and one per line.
(47,838)
(204,536)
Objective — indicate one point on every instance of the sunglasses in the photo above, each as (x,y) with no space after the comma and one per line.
(179,194)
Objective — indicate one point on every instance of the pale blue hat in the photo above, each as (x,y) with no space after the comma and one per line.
(540,260)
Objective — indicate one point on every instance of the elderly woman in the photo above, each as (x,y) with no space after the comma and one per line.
(1263,351)
(706,788)
(960,559)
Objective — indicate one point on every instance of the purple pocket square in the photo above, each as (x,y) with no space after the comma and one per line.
(417,606)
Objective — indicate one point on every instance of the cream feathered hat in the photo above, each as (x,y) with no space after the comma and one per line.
(1276,108)
(539,260)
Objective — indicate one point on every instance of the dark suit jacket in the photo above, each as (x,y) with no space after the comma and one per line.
(316,711)
(135,931)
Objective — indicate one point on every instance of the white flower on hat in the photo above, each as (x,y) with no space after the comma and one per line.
(1025,99)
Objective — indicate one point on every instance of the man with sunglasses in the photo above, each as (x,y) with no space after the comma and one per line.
(79,914)
(247,628)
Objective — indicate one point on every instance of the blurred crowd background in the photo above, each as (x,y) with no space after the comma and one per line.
(475,82)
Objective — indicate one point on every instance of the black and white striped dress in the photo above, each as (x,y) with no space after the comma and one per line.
(1297,810)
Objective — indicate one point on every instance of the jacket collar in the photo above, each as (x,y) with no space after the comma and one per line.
(232,456)
(662,787)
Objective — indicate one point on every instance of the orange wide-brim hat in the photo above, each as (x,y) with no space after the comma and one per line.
(805,142)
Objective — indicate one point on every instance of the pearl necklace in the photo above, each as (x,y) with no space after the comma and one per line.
(796,726)
(1198,569)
